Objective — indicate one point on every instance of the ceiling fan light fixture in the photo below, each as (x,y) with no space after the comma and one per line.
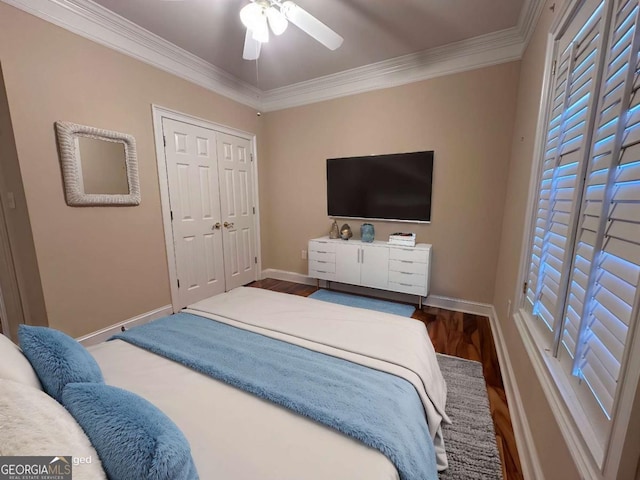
(251,15)
(277,21)
(260,16)
(260,32)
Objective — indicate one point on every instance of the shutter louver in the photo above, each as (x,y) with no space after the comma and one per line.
(606,264)
(553,133)
(561,181)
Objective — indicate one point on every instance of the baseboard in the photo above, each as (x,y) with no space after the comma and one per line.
(529,460)
(288,276)
(459,305)
(103,334)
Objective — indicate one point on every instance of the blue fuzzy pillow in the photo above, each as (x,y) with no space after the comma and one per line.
(133,438)
(57,359)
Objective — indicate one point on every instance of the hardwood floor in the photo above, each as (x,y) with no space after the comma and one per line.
(469,336)
(462,335)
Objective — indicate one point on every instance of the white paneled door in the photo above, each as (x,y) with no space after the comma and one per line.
(192,172)
(238,209)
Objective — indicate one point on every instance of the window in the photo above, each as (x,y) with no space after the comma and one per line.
(583,276)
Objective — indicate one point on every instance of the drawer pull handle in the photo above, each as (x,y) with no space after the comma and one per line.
(406,284)
(320,261)
(321,271)
(406,273)
(406,261)
(321,251)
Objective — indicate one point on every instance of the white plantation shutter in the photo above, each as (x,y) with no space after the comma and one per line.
(560,188)
(558,108)
(584,270)
(606,265)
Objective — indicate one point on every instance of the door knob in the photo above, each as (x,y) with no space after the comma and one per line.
(228,225)
(216,226)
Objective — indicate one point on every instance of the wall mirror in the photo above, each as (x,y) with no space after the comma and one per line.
(99,167)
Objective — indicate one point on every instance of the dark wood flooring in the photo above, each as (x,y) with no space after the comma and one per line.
(462,335)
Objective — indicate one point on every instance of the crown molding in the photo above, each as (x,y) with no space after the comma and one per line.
(531,11)
(483,51)
(96,23)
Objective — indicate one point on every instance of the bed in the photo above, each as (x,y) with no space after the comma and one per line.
(236,435)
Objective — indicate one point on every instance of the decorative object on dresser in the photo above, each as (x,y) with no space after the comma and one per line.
(345,232)
(334,233)
(367,233)
(377,265)
(404,239)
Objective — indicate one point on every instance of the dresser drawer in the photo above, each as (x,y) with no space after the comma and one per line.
(323,266)
(321,246)
(406,288)
(322,274)
(416,279)
(322,256)
(410,254)
(407,266)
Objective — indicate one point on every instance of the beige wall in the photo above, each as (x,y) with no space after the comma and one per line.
(101,265)
(466,118)
(98,265)
(554,456)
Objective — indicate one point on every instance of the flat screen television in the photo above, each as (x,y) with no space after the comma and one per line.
(381,187)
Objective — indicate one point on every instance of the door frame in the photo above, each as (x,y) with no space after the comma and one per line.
(159,113)
(10,300)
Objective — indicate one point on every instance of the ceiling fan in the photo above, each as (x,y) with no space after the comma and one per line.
(260,16)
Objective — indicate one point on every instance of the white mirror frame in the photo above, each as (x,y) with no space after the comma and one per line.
(67,133)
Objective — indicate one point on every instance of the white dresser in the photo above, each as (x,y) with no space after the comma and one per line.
(376,265)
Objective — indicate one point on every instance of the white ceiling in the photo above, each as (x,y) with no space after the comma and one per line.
(373,31)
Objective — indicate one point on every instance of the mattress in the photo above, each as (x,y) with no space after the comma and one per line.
(237,436)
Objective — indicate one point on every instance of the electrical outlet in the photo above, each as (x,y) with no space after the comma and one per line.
(303,254)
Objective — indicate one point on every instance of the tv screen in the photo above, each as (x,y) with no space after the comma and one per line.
(382,187)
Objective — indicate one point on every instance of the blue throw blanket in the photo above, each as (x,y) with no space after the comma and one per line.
(381,410)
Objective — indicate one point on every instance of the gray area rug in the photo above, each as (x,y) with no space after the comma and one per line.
(470,440)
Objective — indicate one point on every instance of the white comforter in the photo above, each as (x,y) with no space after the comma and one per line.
(236,436)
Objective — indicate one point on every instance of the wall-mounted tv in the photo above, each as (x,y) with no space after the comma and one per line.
(381,187)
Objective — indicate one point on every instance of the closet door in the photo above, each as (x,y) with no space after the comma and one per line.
(192,173)
(238,210)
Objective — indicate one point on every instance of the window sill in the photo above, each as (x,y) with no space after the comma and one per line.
(562,400)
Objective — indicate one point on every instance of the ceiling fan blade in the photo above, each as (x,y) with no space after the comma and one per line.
(277,21)
(251,47)
(311,25)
